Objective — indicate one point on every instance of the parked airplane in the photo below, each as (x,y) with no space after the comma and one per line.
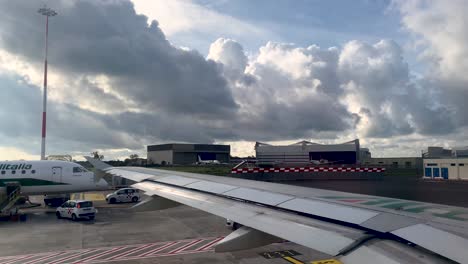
(47,177)
(323,162)
(206,162)
(352,228)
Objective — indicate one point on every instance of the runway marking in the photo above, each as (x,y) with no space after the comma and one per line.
(208,246)
(72,256)
(140,248)
(293,260)
(279,254)
(44,258)
(18,259)
(179,249)
(94,196)
(117,253)
(327,261)
(92,257)
(88,196)
(76,196)
(159,249)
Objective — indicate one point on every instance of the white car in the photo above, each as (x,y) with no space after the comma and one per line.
(123,195)
(76,209)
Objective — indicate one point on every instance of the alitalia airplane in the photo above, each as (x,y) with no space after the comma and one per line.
(48,177)
(349,228)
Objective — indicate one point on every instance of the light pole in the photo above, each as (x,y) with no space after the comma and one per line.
(47,12)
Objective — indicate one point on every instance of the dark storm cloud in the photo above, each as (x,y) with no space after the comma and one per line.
(302,119)
(70,125)
(180,95)
(107,37)
(155,92)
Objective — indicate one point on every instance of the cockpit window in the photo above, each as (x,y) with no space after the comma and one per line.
(78,169)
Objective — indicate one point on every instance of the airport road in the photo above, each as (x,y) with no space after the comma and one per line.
(176,235)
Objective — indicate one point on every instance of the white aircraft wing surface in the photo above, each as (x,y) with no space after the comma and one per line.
(355,228)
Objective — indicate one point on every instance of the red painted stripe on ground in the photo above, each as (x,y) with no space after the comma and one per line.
(40,257)
(98,255)
(43,258)
(17,259)
(185,247)
(74,255)
(123,254)
(209,244)
(153,256)
(158,249)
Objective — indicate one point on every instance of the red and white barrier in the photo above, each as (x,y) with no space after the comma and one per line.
(308,169)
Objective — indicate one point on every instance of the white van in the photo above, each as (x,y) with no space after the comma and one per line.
(123,195)
(76,209)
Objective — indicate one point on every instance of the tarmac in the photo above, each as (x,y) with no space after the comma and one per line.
(177,235)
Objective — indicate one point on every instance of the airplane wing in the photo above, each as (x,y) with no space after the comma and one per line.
(351,227)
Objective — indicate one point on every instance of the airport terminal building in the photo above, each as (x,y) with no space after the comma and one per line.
(446,164)
(183,154)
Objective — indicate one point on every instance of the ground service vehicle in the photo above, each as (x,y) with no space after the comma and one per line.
(76,209)
(123,195)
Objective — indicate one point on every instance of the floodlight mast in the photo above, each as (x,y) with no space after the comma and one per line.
(47,12)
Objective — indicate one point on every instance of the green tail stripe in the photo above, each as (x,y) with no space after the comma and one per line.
(30,182)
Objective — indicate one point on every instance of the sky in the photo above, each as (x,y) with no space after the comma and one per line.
(126,74)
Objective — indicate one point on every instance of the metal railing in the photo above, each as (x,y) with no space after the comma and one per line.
(10,201)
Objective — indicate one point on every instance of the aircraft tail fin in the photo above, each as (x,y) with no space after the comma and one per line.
(100,166)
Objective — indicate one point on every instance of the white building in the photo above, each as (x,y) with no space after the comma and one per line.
(305,152)
(446,168)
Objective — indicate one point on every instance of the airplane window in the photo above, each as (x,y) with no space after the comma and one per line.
(3,172)
(33,171)
(23,172)
(13,172)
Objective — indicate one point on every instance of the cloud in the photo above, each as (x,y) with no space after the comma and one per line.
(439,29)
(9,153)
(231,55)
(109,38)
(377,79)
(179,16)
(118,84)
(292,93)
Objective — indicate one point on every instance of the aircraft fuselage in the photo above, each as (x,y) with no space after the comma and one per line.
(48,177)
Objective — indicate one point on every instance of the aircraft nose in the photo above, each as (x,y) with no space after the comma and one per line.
(102,184)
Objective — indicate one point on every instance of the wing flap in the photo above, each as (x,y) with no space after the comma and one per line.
(324,237)
(443,243)
(245,238)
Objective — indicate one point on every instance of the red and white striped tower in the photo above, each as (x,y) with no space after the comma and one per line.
(47,12)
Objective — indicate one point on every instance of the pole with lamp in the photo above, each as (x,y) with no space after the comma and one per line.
(47,12)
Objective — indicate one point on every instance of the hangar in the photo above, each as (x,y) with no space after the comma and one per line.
(306,152)
(177,153)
